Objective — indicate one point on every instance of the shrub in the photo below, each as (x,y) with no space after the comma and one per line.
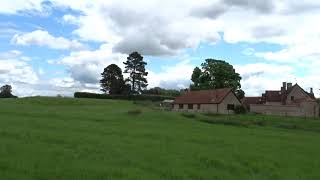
(7,96)
(227,122)
(188,115)
(135,112)
(212,114)
(260,122)
(240,109)
(288,126)
(122,97)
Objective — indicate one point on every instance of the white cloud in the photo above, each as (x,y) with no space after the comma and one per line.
(258,77)
(293,54)
(16,6)
(256,85)
(10,54)
(85,67)
(43,38)
(149,29)
(167,27)
(15,72)
(172,77)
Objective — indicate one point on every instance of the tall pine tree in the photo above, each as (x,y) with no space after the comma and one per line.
(135,66)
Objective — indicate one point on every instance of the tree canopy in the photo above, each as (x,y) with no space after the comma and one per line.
(216,74)
(6,92)
(135,67)
(112,81)
(162,91)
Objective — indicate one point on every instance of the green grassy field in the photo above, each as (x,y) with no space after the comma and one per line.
(66,139)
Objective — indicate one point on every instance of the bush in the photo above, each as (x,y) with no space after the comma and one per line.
(7,96)
(240,109)
(289,126)
(188,115)
(227,122)
(135,112)
(260,122)
(122,97)
(212,114)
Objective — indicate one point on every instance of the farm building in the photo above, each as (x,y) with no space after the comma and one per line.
(219,101)
(289,101)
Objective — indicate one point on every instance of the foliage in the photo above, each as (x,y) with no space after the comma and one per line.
(112,81)
(240,109)
(162,91)
(196,78)
(189,115)
(227,122)
(135,66)
(6,92)
(142,97)
(216,74)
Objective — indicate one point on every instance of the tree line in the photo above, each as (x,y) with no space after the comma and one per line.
(112,81)
(213,74)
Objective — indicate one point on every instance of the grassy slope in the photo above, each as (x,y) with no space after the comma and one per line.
(47,138)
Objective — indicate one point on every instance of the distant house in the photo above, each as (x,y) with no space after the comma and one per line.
(289,101)
(219,101)
(167,104)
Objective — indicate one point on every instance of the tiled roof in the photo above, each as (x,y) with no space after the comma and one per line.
(251,100)
(203,97)
(273,96)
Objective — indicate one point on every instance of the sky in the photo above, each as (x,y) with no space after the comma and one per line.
(51,47)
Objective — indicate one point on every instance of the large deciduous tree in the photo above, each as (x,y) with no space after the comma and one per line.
(112,81)
(135,67)
(6,92)
(215,74)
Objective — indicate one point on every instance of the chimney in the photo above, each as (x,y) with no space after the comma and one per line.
(311,90)
(284,85)
(284,93)
(289,86)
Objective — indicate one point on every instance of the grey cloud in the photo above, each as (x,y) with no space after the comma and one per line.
(249,75)
(213,11)
(267,32)
(149,34)
(85,73)
(124,17)
(298,7)
(145,44)
(261,6)
(4,71)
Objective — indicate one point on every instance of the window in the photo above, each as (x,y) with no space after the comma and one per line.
(230,106)
(292,98)
(199,106)
(190,106)
(180,106)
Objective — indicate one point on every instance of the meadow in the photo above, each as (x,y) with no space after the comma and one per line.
(78,139)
